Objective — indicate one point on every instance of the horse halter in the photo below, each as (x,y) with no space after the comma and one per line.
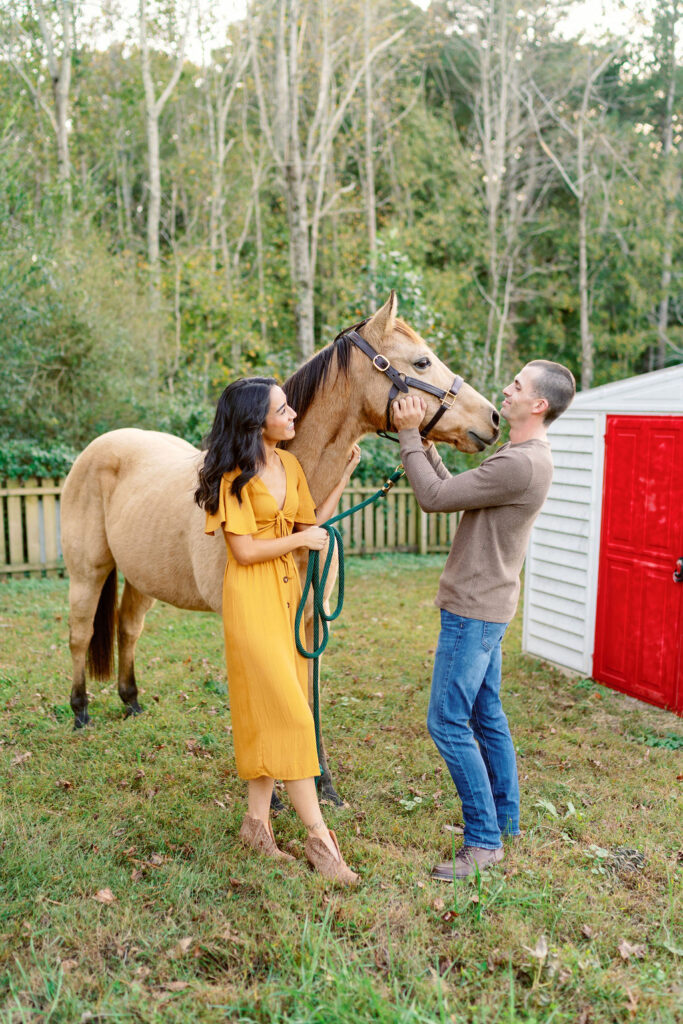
(400,384)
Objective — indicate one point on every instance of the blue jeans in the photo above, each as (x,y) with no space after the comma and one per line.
(467,722)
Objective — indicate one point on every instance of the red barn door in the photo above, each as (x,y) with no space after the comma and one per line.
(639,618)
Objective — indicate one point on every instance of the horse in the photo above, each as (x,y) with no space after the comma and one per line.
(127,504)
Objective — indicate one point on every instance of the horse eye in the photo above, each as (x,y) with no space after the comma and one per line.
(422,364)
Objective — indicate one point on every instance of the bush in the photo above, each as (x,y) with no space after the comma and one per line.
(23,459)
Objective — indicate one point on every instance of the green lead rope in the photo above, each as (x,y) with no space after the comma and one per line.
(318,580)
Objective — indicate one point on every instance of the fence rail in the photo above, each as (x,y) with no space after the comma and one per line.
(29,542)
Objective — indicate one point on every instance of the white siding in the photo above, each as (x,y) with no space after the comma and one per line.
(558,567)
(561,581)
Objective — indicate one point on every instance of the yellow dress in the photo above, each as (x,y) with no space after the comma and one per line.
(272,725)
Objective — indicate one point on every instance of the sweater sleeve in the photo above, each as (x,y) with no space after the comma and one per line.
(499,480)
(434,460)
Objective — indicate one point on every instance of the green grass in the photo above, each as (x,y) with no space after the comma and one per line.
(199,930)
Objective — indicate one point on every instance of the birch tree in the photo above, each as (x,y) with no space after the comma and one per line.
(491,57)
(578,168)
(303,95)
(55,42)
(154,105)
(669,18)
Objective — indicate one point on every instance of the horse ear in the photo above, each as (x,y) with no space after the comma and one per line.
(382,323)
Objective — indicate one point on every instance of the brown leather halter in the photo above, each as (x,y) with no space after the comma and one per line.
(401,384)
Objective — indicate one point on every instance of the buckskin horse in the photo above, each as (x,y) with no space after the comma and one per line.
(127,504)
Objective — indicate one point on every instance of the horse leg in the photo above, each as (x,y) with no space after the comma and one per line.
(134,607)
(326,790)
(92,607)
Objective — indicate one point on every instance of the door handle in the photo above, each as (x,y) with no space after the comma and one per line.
(678,571)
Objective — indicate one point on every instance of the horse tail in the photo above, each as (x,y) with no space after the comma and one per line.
(101,649)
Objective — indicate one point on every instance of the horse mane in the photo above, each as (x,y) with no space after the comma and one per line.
(302,387)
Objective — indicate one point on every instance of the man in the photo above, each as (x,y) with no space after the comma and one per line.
(478,594)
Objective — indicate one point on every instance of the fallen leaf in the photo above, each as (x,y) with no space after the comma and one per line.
(438,903)
(22,758)
(540,950)
(632,1004)
(104,896)
(68,965)
(182,947)
(457,830)
(175,986)
(136,874)
(627,950)
(64,784)
(587,931)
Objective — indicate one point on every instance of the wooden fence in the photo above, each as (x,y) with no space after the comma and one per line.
(29,542)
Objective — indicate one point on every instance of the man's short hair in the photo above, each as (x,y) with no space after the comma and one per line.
(555,383)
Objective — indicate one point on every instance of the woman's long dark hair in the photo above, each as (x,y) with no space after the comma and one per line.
(235,439)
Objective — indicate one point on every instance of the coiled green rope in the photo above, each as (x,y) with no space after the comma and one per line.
(318,581)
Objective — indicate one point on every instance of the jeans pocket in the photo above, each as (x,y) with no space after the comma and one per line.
(492,634)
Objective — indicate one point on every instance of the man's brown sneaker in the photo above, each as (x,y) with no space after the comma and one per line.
(466,860)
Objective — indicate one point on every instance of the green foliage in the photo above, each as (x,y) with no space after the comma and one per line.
(87,343)
(22,459)
(74,342)
(667,740)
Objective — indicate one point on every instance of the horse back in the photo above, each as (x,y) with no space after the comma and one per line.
(129,501)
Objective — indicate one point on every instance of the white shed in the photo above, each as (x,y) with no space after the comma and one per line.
(600,595)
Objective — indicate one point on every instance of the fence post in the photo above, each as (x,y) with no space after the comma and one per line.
(423,540)
(15,528)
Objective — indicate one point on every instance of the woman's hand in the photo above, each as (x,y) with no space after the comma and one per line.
(408,412)
(314,538)
(353,460)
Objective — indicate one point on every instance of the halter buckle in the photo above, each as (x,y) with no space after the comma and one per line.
(382,369)
(452,392)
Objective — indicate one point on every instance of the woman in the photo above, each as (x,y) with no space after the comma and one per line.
(257,493)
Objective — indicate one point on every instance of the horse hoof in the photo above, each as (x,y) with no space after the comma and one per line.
(329,795)
(81,720)
(276,804)
(133,709)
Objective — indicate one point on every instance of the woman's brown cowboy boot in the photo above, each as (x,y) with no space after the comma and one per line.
(323,860)
(255,835)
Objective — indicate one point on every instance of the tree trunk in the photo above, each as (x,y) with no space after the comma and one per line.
(672,184)
(153,109)
(60,77)
(586,336)
(370,211)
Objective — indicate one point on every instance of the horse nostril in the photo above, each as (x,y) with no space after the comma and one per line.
(495,417)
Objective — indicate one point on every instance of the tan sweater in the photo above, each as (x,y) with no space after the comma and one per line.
(500,500)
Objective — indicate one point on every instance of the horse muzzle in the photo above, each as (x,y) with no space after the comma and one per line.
(482,442)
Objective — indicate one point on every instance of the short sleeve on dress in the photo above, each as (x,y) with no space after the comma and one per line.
(306,510)
(232,516)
